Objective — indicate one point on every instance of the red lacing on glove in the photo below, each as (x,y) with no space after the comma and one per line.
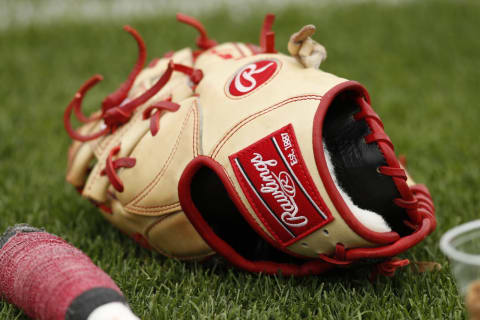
(203,41)
(111,100)
(415,199)
(115,98)
(76,104)
(393,172)
(267,36)
(338,258)
(116,116)
(370,114)
(379,137)
(407,200)
(121,114)
(113,165)
(155,118)
(195,75)
(425,207)
(387,268)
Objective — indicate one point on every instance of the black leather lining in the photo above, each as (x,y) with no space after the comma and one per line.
(355,163)
(214,204)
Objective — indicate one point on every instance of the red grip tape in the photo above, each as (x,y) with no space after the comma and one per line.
(42,274)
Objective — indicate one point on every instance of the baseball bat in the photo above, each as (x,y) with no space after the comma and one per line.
(49,279)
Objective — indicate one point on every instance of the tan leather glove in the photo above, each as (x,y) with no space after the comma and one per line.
(258,156)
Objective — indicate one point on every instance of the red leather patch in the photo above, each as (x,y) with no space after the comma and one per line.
(277,184)
(252,76)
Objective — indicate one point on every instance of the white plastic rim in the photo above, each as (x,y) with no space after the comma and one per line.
(449,249)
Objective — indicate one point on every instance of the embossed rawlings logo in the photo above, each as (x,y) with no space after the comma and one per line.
(278,186)
(252,76)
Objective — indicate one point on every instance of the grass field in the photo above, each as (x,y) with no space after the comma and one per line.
(421,64)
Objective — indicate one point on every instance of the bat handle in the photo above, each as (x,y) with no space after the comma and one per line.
(49,278)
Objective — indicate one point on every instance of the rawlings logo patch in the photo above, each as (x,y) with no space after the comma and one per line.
(282,190)
(252,76)
(278,186)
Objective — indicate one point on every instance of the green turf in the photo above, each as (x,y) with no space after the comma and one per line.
(420,61)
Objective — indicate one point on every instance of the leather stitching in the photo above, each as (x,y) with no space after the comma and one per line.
(148,188)
(112,140)
(251,117)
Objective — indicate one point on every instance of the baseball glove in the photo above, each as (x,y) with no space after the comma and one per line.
(255,155)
